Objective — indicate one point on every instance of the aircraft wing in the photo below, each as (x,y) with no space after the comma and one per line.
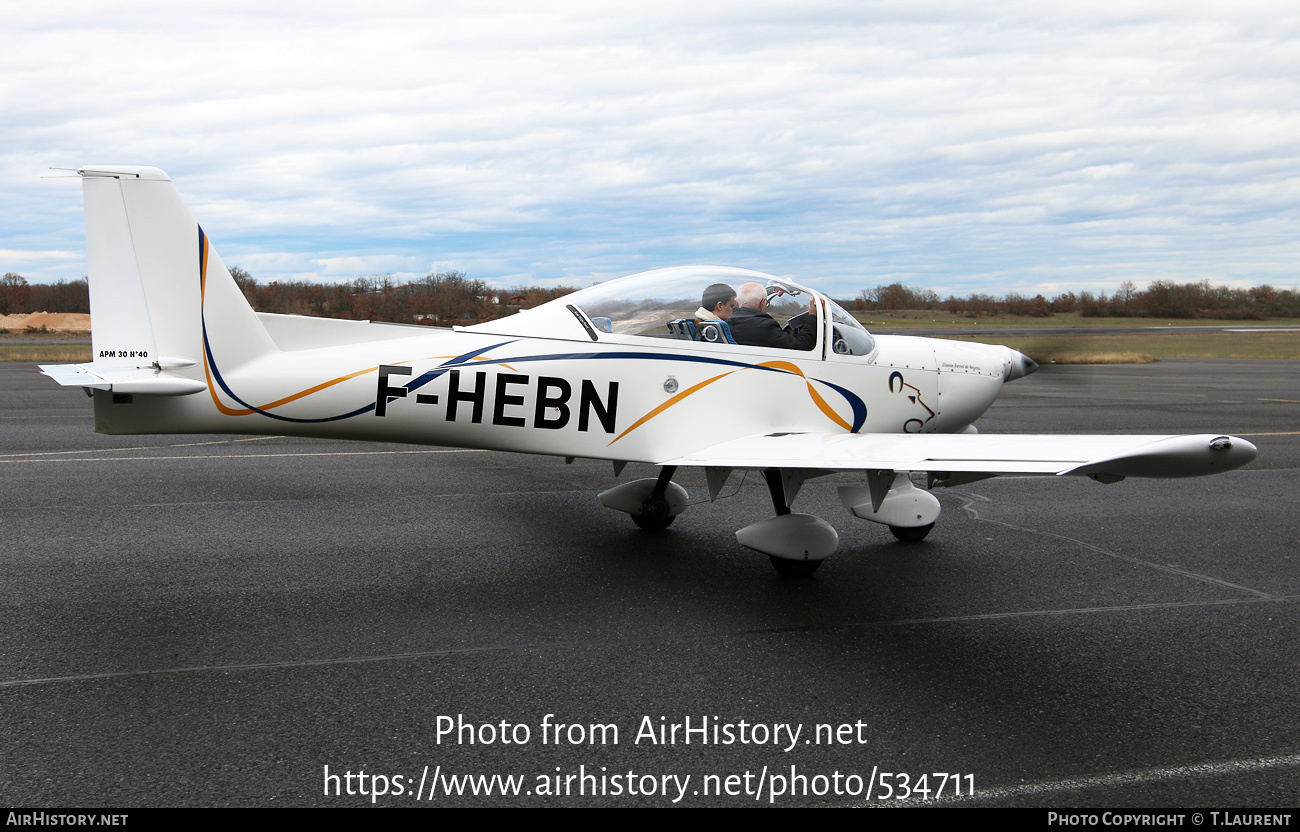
(966,457)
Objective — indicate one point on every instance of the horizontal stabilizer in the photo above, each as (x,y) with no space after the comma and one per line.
(141,380)
(990,454)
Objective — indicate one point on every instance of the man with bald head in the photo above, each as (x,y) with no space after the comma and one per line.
(752,326)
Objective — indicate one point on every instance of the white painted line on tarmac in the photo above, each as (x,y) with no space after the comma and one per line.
(1102,781)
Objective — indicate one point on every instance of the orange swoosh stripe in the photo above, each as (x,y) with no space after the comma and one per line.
(207,373)
(821,403)
(335,381)
(785,366)
(317,388)
(827,409)
(674,400)
(212,391)
(475,358)
(203,293)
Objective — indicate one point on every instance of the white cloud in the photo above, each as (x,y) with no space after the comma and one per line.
(8,255)
(966,145)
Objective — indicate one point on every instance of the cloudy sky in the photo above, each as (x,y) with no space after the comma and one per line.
(953,145)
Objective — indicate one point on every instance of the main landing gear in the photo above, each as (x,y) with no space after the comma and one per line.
(796,544)
(652,503)
(891,499)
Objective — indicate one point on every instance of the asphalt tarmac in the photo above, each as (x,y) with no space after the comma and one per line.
(984,331)
(193,621)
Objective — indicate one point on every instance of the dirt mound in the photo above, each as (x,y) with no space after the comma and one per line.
(51,321)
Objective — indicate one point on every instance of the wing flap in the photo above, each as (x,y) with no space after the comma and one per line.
(1120,456)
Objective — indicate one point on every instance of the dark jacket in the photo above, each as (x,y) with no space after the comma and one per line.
(759,329)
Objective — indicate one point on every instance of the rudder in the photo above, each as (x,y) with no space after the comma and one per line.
(158,293)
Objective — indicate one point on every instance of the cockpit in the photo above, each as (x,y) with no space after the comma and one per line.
(665,303)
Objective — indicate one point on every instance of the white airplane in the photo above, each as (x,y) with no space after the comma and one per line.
(611,372)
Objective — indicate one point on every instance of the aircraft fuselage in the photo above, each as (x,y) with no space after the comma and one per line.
(636,402)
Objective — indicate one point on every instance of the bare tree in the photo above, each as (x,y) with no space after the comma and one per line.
(15,294)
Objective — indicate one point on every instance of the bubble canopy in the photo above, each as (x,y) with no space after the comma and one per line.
(644,305)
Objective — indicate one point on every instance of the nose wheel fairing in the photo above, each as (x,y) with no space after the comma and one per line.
(796,537)
(895,501)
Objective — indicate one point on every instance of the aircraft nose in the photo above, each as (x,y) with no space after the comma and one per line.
(1018,365)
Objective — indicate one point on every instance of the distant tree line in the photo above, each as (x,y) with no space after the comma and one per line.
(18,297)
(1161,299)
(438,299)
(451,298)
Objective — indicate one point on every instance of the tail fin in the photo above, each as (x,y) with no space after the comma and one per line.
(159,296)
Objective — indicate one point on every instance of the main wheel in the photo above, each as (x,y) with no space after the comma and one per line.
(652,524)
(911,534)
(794,568)
(656,514)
